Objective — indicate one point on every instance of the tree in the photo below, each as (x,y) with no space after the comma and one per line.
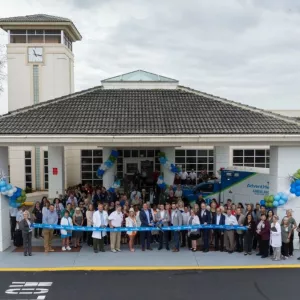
(2,66)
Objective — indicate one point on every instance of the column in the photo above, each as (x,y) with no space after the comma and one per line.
(109,175)
(222,158)
(56,171)
(285,161)
(168,175)
(4,207)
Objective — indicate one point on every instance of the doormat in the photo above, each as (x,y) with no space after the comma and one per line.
(41,249)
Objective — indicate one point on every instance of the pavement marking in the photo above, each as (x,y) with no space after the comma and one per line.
(148,268)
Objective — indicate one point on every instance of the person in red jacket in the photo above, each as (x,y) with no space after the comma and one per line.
(264,233)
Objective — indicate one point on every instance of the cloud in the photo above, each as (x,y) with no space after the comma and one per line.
(245,50)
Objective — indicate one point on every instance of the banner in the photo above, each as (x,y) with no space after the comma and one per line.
(122,229)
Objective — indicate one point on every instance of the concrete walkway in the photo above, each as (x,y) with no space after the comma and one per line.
(157,259)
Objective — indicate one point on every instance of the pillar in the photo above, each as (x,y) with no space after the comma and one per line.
(56,165)
(4,207)
(285,161)
(222,159)
(109,175)
(168,175)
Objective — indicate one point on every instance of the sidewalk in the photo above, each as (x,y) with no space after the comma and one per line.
(86,259)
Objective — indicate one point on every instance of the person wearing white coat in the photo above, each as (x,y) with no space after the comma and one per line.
(100,220)
(275,239)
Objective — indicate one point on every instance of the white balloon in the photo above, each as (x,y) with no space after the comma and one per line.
(14,189)
(10,193)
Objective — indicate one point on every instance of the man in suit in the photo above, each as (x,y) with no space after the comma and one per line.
(219,219)
(176,220)
(163,217)
(239,234)
(205,219)
(146,221)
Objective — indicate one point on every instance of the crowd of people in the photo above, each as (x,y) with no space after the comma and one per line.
(266,235)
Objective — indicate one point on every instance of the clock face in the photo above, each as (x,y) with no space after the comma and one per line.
(35,54)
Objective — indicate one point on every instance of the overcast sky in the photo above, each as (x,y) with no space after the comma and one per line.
(244,50)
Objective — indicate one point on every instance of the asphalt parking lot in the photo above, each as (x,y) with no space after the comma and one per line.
(269,284)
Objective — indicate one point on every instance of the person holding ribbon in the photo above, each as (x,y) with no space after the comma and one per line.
(115,220)
(65,234)
(49,218)
(100,220)
(146,219)
(131,222)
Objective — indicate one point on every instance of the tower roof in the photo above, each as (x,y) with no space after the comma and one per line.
(140,75)
(40,20)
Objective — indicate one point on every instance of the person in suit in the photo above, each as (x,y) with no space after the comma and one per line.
(219,219)
(163,219)
(146,219)
(205,218)
(176,220)
(24,225)
(239,234)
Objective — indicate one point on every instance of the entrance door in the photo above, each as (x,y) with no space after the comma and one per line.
(147,168)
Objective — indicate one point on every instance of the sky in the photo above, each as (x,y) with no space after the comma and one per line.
(243,50)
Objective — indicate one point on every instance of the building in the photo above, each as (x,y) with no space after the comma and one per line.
(61,138)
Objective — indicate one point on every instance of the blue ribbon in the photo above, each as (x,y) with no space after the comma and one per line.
(122,229)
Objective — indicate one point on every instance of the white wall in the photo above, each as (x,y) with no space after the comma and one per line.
(222,158)
(4,206)
(56,74)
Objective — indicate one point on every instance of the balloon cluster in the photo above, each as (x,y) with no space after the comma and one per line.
(115,186)
(295,187)
(275,201)
(161,183)
(108,163)
(164,161)
(16,195)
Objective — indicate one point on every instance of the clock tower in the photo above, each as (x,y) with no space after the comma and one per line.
(40,64)
(40,60)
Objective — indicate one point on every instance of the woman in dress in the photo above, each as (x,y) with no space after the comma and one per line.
(66,234)
(193,234)
(248,239)
(89,221)
(276,238)
(77,221)
(131,222)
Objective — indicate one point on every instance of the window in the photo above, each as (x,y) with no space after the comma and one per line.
(258,158)
(28,170)
(38,36)
(46,170)
(90,162)
(36,91)
(67,41)
(205,188)
(195,159)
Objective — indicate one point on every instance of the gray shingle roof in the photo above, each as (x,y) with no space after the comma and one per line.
(35,18)
(140,112)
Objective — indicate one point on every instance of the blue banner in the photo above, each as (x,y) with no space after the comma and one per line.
(120,229)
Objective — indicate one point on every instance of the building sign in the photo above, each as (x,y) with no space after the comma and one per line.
(28,290)
(54,171)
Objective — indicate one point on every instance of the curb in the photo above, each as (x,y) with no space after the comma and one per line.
(146,268)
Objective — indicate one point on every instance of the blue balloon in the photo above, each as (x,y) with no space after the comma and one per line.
(109,163)
(298,194)
(3,189)
(262,202)
(275,203)
(2,183)
(111,189)
(297,188)
(285,197)
(9,187)
(293,190)
(114,153)
(277,197)
(281,202)
(293,185)
(162,160)
(297,182)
